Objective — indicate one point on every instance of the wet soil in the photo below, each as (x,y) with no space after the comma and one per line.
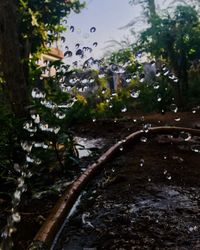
(35,210)
(146,198)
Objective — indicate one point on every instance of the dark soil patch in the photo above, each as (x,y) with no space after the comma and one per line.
(147,198)
(35,211)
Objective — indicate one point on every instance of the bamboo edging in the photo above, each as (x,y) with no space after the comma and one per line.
(60,211)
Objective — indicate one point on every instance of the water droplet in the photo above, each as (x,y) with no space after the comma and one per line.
(135,94)
(94,119)
(92,30)
(158,73)
(174,108)
(29,127)
(195,148)
(27,146)
(37,94)
(166,73)
(17,195)
(149,179)
(101,76)
(143,139)
(80,52)
(16,217)
(175,80)
(77,45)
(48,104)
(165,172)
(159,99)
(168,176)
(194,110)
(141,162)
(146,127)
(156,85)
(103,91)
(60,115)
(95,44)
(186,136)
(121,148)
(71,28)
(68,53)
(124,109)
(142,78)
(177,119)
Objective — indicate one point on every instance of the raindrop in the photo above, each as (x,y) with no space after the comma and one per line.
(79,52)
(77,45)
(175,80)
(174,108)
(177,119)
(48,104)
(159,98)
(135,94)
(95,44)
(60,115)
(16,217)
(36,118)
(158,73)
(65,88)
(194,110)
(146,127)
(156,85)
(56,129)
(68,53)
(166,73)
(168,176)
(121,148)
(94,119)
(195,148)
(17,167)
(17,195)
(27,146)
(92,30)
(101,75)
(141,162)
(128,80)
(29,127)
(124,109)
(40,145)
(37,94)
(71,28)
(149,179)
(142,78)
(165,172)
(103,91)
(186,136)
(143,139)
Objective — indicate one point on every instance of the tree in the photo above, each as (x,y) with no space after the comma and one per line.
(174,39)
(26,26)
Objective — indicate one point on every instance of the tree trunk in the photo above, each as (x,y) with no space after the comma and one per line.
(11,62)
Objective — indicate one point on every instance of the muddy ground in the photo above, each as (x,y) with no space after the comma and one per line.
(35,211)
(146,198)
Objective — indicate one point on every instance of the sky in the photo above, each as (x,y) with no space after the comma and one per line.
(108,17)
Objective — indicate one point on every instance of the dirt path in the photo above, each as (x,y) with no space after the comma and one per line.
(147,198)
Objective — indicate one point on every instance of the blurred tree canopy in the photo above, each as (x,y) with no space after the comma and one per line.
(26,27)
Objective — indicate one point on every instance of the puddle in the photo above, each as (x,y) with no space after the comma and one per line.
(87,146)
